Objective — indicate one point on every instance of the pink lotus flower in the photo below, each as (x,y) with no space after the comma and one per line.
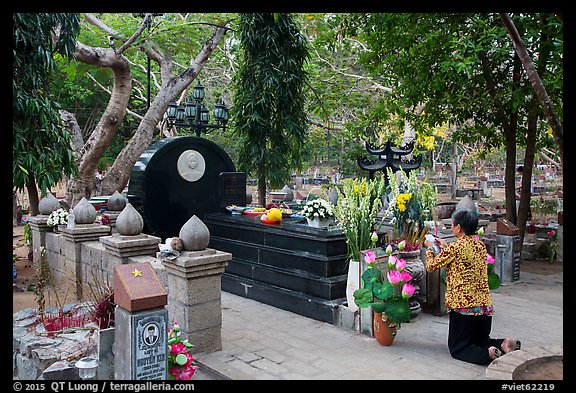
(476,237)
(392,262)
(408,290)
(394,277)
(178,348)
(489,258)
(183,372)
(405,276)
(374,237)
(551,233)
(481,231)
(389,249)
(401,264)
(370,256)
(402,245)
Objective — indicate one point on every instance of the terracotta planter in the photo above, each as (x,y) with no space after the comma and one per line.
(384,331)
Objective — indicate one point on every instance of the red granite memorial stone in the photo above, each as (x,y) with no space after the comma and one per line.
(137,287)
(505,227)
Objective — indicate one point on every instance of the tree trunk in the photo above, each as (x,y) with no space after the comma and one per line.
(100,138)
(524,205)
(509,127)
(32,195)
(172,86)
(262,191)
(454,175)
(534,77)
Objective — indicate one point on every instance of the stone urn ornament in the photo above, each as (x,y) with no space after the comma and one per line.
(48,204)
(117,202)
(289,194)
(129,221)
(195,234)
(84,212)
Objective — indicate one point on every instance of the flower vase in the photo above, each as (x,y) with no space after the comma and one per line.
(352,284)
(383,329)
(319,222)
(416,268)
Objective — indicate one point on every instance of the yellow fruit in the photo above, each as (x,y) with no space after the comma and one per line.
(275,214)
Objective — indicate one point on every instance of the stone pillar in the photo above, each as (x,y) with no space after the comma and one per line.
(38,228)
(194,296)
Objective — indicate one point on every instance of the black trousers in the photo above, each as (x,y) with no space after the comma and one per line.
(469,338)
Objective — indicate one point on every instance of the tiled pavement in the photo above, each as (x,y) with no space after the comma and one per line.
(261,342)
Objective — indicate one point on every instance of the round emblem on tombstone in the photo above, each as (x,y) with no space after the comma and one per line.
(191,165)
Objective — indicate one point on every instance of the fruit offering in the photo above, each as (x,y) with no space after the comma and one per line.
(274,214)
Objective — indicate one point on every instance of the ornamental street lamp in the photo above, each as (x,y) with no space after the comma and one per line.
(194,115)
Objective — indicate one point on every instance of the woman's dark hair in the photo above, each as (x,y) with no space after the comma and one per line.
(467,219)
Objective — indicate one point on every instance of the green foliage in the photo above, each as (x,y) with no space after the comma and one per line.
(358,202)
(268,110)
(41,148)
(382,296)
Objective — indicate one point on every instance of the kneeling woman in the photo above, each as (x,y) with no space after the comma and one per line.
(468,297)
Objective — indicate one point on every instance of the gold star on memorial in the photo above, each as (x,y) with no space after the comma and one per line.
(136,273)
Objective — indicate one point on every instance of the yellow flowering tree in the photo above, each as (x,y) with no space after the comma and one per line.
(358,203)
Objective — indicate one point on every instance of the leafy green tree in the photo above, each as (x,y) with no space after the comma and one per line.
(268,107)
(41,148)
(464,70)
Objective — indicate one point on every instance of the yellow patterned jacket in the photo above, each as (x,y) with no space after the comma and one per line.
(466,272)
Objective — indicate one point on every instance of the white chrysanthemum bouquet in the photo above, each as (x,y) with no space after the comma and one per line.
(57,217)
(318,208)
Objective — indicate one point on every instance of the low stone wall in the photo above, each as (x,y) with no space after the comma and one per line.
(80,264)
(86,255)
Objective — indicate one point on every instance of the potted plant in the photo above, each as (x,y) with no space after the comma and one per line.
(318,213)
(386,289)
(358,203)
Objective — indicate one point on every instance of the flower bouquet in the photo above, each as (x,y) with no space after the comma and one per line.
(318,209)
(57,217)
(411,203)
(356,210)
(181,364)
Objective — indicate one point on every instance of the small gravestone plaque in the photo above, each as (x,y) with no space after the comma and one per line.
(232,188)
(149,346)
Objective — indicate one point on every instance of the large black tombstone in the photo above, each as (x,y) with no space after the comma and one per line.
(176,178)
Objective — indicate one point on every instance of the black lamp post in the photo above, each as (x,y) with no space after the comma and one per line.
(194,115)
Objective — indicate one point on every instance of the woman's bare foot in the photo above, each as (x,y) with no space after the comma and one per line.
(509,345)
